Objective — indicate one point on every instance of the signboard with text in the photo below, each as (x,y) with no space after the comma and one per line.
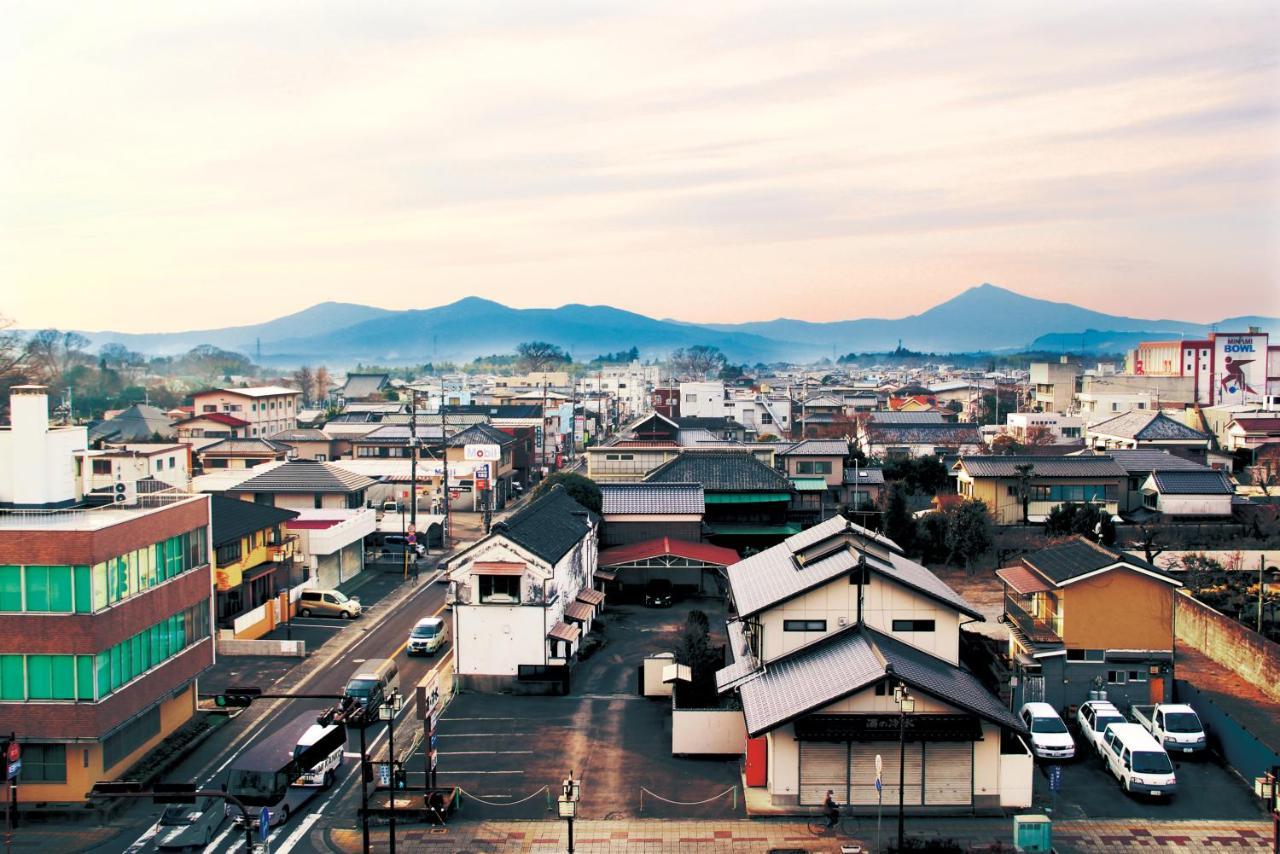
(1239,368)
(481,452)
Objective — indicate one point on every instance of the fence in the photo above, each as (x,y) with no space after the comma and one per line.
(1241,749)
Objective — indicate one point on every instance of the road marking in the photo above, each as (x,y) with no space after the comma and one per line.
(465,773)
(478,734)
(481,752)
(144,839)
(221,837)
(351,754)
(481,719)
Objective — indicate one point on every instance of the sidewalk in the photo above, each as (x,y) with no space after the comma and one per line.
(688,837)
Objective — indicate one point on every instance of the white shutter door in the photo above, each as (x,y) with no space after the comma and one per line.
(863,771)
(823,765)
(948,773)
(889,753)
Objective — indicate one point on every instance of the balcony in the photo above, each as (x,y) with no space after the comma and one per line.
(1017,613)
(283,551)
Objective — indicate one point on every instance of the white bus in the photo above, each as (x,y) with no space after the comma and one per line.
(328,742)
(267,774)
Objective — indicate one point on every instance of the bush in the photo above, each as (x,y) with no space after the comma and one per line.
(1070,519)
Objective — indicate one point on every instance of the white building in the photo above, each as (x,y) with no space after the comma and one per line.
(131,463)
(1061,427)
(523,597)
(267,409)
(331,543)
(39,468)
(830,623)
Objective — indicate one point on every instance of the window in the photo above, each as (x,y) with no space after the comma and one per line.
(804,625)
(500,588)
(913,625)
(228,553)
(1137,676)
(172,464)
(690,398)
(43,763)
(159,465)
(813,467)
(10,588)
(130,737)
(1011,491)
(1115,677)
(102,466)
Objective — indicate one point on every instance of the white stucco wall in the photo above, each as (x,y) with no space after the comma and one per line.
(496,639)
(708,732)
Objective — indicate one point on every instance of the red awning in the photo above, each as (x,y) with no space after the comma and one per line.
(1023,580)
(591,597)
(605,575)
(497,567)
(579,611)
(564,632)
(664,546)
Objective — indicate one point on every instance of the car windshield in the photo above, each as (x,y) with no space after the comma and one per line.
(1104,721)
(179,814)
(1181,722)
(252,784)
(426,631)
(360,688)
(1151,762)
(1048,725)
(339,597)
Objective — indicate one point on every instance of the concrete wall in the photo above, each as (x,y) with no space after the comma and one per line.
(1249,655)
(495,639)
(708,732)
(1016,775)
(651,676)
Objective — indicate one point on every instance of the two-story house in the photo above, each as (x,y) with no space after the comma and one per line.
(304,485)
(268,409)
(1083,617)
(816,467)
(522,597)
(1142,428)
(250,545)
(998,482)
(832,624)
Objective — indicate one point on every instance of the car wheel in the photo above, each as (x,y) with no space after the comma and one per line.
(208,837)
(328,779)
(284,813)
(346,615)
(304,612)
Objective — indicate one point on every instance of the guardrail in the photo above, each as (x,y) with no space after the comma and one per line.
(281,648)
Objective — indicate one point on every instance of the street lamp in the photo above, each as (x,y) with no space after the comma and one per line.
(387,712)
(906,705)
(570,793)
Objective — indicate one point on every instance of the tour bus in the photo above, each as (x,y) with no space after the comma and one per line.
(328,742)
(266,774)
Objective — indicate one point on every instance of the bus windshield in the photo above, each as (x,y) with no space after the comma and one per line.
(260,788)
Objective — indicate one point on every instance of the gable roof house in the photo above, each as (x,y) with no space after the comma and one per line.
(830,624)
(997,482)
(305,485)
(1189,493)
(1138,465)
(240,453)
(888,440)
(1083,616)
(1143,428)
(636,511)
(523,597)
(139,423)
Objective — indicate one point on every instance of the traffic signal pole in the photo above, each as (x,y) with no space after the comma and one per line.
(364,787)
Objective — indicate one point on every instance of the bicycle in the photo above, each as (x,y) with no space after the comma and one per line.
(846,825)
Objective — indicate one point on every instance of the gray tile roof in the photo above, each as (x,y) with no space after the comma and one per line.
(773,575)
(1064,466)
(363,385)
(480,434)
(644,497)
(1079,556)
(721,471)
(550,526)
(234,519)
(301,434)
(244,447)
(1147,460)
(1146,425)
(891,417)
(1204,482)
(818,448)
(923,434)
(845,662)
(306,476)
(695,422)
(138,423)
(865,476)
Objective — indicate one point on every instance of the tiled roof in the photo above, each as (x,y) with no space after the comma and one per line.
(817,448)
(1079,556)
(1145,425)
(842,664)
(306,476)
(895,417)
(1023,580)
(865,477)
(1146,460)
(646,497)
(138,423)
(302,434)
(663,546)
(1064,466)
(1204,482)
(243,447)
(548,527)
(923,434)
(721,471)
(693,422)
(256,391)
(773,575)
(234,519)
(363,385)
(480,434)
(1258,425)
(531,410)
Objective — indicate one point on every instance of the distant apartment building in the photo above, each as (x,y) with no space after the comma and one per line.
(267,409)
(1024,426)
(1053,384)
(104,613)
(168,463)
(1224,368)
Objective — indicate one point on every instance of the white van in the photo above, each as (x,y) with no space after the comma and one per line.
(1138,761)
(325,742)
(1049,736)
(372,682)
(426,636)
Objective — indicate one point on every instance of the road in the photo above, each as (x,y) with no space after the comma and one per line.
(378,635)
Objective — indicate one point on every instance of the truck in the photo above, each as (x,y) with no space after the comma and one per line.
(1176,726)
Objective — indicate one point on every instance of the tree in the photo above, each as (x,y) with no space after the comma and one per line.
(698,360)
(703,660)
(305,380)
(581,489)
(932,538)
(1025,471)
(322,382)
(917,474)
(968,532)
(51,354)
(535,356)
(13,355)
(1087,520)
(899,524)
(119,357)
(730,373)
(211,364)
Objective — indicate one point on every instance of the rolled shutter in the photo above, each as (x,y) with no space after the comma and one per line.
(948,774)
(823,765)
(889,753)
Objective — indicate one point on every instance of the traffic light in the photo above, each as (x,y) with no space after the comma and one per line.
(236,698)
(174,793)
(10,753)
(366,770)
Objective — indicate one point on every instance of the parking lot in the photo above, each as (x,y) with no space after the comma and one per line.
(1206,790)
(503,749)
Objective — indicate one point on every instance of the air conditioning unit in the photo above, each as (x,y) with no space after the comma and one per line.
(125,492)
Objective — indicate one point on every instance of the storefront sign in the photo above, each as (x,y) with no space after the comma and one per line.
(887,728)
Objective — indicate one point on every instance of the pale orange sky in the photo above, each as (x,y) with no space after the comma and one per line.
(174,166)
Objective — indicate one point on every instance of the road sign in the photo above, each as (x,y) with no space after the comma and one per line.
(14,768)
(264,824)
(15,751)
(384,774)
(1055,778)
(481,472)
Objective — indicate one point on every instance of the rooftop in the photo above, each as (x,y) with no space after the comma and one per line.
(91,518)
(648,497)
(817,448)
(1205,481)
(306,476)
(253,391)
(1149,426)
(1078,557)
(550,526)
(1064,466)
(664,546)
(234,519)
(721,471)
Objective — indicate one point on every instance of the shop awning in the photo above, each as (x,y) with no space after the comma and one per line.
(497,568)
(594,598)
(745,497)
(887,728)
(754,530)
(605,575)
(1022,580)
(564,632)
(259,572)
(578,611)
(809,484)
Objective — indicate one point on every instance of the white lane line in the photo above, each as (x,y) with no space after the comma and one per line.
(350,754)
(222,837)
(481,719)
(468,773)
(482,752)
(143,839)
(478,734)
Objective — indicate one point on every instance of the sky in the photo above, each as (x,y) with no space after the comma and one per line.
(170,166)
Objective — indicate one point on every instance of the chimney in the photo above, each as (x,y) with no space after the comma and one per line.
(39,471)
(29,410)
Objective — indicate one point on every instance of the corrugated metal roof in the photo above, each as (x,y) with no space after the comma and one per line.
(632,552)
(1064,466)
(648,497)
(1023,580)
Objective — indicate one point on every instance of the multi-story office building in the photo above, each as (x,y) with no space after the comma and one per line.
(267,409)
(104,619)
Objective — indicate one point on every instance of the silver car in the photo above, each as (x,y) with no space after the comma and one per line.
(189,825)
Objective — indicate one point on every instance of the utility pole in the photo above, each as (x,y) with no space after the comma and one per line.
(413,460)
(444,458)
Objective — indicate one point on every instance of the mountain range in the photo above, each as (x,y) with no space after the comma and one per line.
(981,318)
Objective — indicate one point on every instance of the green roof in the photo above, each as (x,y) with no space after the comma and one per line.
(810,484)
(745,497)
(755,530)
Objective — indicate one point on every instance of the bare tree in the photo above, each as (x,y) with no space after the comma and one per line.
(698,360)
(305,380)
(535,356)
(322,380)
(52,353)
(13,350)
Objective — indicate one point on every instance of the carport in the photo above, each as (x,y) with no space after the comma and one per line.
(690,567)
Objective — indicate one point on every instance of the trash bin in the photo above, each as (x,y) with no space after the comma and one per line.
(1033,833)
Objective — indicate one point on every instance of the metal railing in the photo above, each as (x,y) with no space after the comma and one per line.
(1035,628)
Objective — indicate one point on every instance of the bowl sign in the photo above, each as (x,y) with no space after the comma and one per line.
(480,452)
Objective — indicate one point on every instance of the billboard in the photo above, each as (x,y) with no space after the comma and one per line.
(480,452)
(1239,368)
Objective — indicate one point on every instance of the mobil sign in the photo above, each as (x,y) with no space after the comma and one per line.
(1239,366)
(480,452)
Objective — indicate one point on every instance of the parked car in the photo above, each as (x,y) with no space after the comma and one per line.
(328,603)
(1138,761)
(1176,726)
(1049,736)
(395,544)
(189,825)
(426,636)
(1093,718)
(657,593)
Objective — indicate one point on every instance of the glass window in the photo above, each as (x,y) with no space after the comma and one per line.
(37,583)
(40,677)
(13,685)
(83,590)
(63,676)
(804,625)
(43,763)
(10,588)
(84,678)
(99,574)
(60,596)
(103,665)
